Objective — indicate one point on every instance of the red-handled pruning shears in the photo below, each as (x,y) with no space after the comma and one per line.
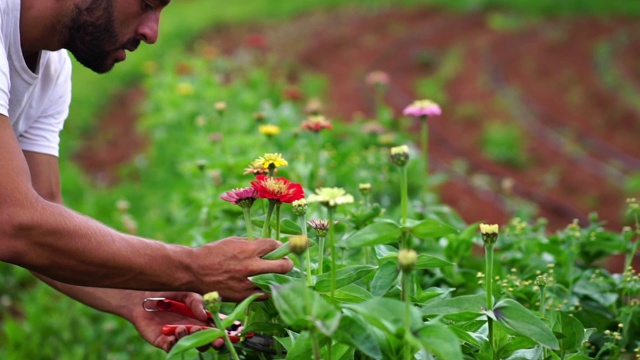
(164,304)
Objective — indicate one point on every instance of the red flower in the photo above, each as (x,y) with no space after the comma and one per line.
(279,189)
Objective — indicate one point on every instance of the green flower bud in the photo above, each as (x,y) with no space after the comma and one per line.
(407,259)
(400,155)
(300,207)
(212,302)
(298,244)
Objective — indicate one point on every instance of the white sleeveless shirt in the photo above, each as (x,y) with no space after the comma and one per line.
(36,104)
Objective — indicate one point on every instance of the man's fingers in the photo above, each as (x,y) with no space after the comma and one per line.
(265,246)
(196,304)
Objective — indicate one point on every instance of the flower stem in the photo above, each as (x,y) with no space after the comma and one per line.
(232,350)
(542,310)
(247,221)
(404,194)
(303,227)
(489,275)
(332,245)
(266,229)
(406,286)
(278,206)
(425,146)
(321,241)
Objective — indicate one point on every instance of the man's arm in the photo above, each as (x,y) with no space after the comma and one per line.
(45,177)
(54,241)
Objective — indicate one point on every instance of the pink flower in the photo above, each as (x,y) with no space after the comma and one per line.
(421,108)
(242,197)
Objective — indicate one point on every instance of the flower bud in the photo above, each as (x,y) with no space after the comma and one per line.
(407,259)
(300,207)
(321,226)
(212,302)
(400,155)
(365,189)
(221,106)
(541,281)
(489,233)
(298,244)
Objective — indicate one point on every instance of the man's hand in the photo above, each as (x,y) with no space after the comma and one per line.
(149,324)
(226,265)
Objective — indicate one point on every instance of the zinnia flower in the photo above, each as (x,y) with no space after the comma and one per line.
(424,108)
(242,197)
(255,168)
(184,89)
(276,160)
(278,189)
(331,197)
(377,78)
(316,123)
(269,130)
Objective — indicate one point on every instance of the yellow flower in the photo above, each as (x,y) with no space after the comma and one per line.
(269,130)
(330,197)
(221,106)
(184,89)
(267,160)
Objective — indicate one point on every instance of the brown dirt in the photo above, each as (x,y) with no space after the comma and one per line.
(580,137)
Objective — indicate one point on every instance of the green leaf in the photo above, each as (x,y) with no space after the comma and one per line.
(290,227)
(264,328)
(426,261)
(265,281)
(514,345)
(533,353)
(386,314)
(385,278)
(239,311)
(570,327)
(439,340)
(430,229)
(352,294)
(353,331)
(466,307)
(375,234)
(302,308)
(515,317)
(344,277)
(302,347)
(195,340)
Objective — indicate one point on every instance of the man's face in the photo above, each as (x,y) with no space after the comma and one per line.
(98,38)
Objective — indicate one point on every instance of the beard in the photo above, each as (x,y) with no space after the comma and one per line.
(92,37)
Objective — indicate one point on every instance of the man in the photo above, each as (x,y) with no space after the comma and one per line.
(86,260)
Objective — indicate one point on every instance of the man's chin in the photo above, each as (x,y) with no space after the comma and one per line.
(101,66)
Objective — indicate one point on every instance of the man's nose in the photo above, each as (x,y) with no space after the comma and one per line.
(148,29)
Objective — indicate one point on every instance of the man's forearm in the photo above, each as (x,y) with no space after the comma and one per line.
(115,301)
(64,245)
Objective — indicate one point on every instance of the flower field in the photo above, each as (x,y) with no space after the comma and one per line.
(385,266)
